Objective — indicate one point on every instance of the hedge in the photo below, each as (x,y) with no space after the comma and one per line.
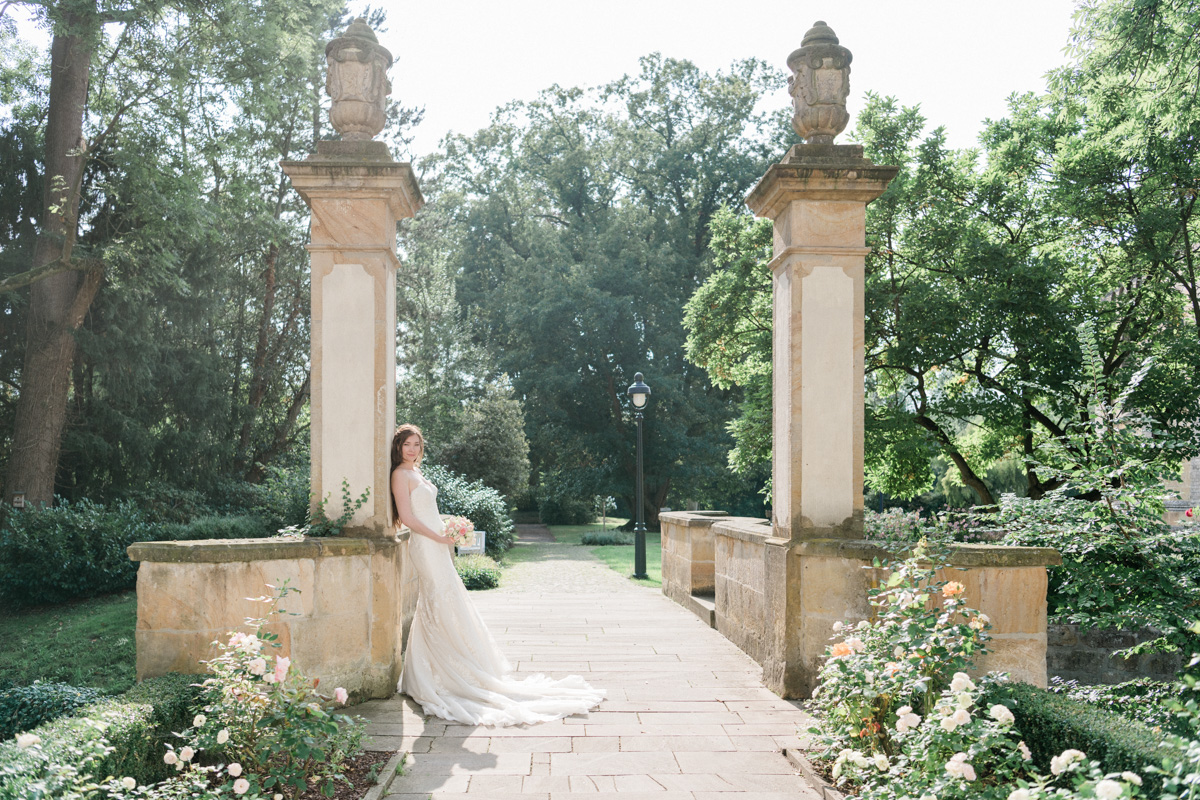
(1051,723)
(25,707)
(136,725)
(472,499)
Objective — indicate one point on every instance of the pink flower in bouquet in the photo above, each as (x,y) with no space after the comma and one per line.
(461,530)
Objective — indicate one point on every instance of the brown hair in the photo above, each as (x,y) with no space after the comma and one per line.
(402,435)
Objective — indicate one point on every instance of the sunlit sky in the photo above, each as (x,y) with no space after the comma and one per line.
(957,59)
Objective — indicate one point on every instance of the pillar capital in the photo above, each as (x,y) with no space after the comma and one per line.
(837,172)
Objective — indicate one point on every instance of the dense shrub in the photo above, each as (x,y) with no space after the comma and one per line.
(606,537)
(1051,723)
(563,501)
(1142,700)
(477,571)
(246,526)
(161,502)
(72,550)
(23,708)
(491,445)
(136,725)
(472,499)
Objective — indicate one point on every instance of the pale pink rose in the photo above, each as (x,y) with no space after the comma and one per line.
(258,666)
(269,678)
(968,772)
(236,639)
(234,769)
(170,757)
(281,667)
(341,695)
(186,753)
(855,644)
(251,644)
(241,786)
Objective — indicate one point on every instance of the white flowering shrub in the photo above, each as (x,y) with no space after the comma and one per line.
(264,729)
(922,634)
(902,720)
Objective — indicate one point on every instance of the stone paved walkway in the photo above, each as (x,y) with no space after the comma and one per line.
(687,716)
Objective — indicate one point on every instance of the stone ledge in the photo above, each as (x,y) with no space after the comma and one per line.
(961,555)
(748,529)
(693,519)
(219,551)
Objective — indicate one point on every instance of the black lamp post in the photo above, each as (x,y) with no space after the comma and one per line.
(639,392)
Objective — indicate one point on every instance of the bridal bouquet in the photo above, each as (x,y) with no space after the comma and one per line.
(461,530)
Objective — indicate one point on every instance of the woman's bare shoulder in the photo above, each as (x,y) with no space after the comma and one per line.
(406,476)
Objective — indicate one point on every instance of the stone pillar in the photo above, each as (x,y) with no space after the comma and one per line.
(357,194)
(817,198)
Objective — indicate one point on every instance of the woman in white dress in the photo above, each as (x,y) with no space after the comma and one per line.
(452,666)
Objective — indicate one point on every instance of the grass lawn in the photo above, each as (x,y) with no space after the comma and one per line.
(84,643)
(617,557)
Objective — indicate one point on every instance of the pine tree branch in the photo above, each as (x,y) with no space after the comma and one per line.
(23,279)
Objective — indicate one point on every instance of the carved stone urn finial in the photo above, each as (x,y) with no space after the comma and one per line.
(357,81)
(819,85)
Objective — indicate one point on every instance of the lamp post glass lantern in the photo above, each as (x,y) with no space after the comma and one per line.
(639,392)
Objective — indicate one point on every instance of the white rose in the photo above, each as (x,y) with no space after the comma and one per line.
(964,699)
(961,717)
(862,625)
(948,724)
(1019,794)
(898,652)
(241,786)
(1060,763)
(222,736)
(186,753)
(838,627)
(129,783)
(258,666)
(1001,714)
(234,769)
(961,683)
(902,710)
(199,721)
(881,762)
(25,740)
(170,757)
(1025,752)
(855,644)
(1109,790)
(1132,777)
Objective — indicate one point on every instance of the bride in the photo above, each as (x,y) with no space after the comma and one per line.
(452,666)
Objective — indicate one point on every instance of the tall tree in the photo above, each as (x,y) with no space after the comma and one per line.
(585,219)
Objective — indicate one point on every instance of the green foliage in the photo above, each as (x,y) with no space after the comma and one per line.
(562,499)
(1051,723)
(482,505)
(216,527)
(491,446)
(477,571)
(581,225)
(26,707)
(1143,700)
(322,525)
(52,555)
(607,538)
(282,499)
(134,725)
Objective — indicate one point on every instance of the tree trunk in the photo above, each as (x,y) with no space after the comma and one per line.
(58,303)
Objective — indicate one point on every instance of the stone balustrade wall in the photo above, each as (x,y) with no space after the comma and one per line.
(346,625)
(778,599)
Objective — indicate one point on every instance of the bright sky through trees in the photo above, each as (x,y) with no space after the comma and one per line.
(957,59)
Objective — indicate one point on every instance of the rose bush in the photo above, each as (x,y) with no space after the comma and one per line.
(904,721)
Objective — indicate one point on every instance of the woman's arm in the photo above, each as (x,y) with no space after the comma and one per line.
(402,491)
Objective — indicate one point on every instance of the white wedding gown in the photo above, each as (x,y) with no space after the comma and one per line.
(452,666)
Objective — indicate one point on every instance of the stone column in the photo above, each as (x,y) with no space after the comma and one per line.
(357,194)
(817,198)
